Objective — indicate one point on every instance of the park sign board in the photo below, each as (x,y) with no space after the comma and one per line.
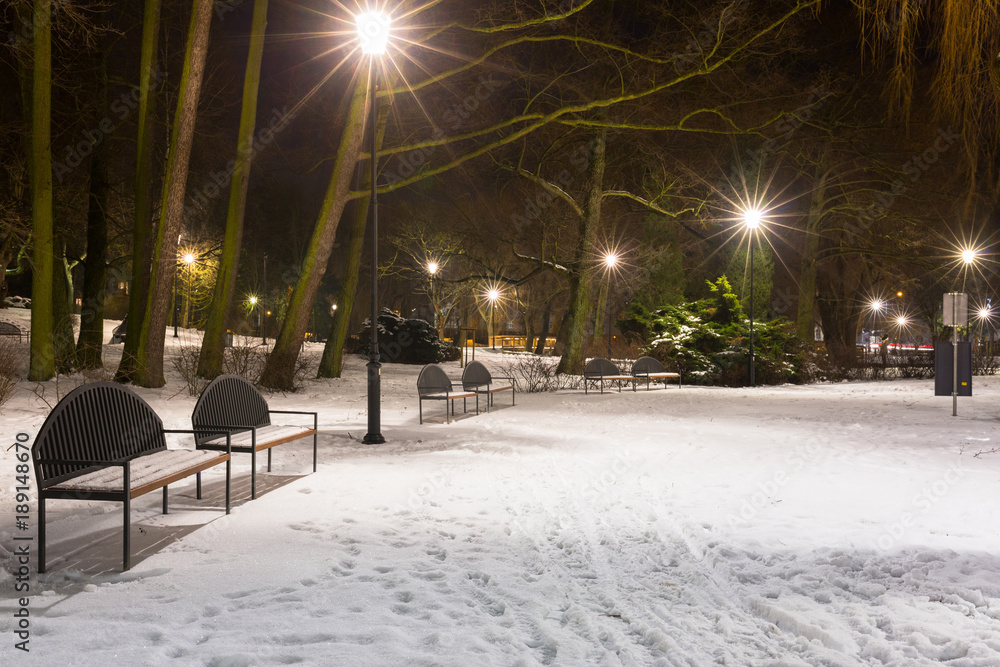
(956,309)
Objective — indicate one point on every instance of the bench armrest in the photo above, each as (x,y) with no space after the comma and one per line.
(78,462)
(315,415)
(205,431)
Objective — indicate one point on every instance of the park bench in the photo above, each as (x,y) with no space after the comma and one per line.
(479,379)
(103,442)
(232,404)
(600,370)
(433,385)
(9,329)
(118,333)
(649,368)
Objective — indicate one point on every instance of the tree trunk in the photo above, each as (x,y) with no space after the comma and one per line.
(332,363)
(42,364)
(214,343)
(543,332)
(575,329)
(807,278)
(62,312)
(149,358)
(280,370)
(142,223)
(91,340)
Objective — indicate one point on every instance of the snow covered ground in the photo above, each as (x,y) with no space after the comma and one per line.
(820,525)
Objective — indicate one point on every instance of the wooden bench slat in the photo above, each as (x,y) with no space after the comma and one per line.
(147,472)
(267,436)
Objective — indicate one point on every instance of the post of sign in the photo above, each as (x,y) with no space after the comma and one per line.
(956,314)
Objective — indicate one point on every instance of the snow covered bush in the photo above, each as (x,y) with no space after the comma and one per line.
(404,341)
(708,340)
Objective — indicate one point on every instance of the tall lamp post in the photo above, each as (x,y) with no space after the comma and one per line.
(373,33)
(432,269)
(752,219)
(493,295)
(263,306)
(189,260)
(252,300)
(610,261)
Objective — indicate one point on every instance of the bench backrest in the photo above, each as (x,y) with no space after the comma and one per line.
(432,380)
(8,329)
(645,365)
(98,421)
(229,400)
(600,367)
(476,374)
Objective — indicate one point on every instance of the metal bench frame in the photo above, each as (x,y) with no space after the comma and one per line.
(476,375)
(11,329)
(433,385)
(649,368)
(601,370)
(230,403)
(101,425)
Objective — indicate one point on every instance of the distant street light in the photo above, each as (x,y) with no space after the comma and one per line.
(968,256)
(493,295)
(753,218)
(189,260)
(373,33)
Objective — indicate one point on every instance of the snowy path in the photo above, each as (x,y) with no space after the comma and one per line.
(824,525)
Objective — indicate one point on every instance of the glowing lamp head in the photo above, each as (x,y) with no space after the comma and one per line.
(877,306)
(493,295)
(752,218)
(611,260)
(432,268)
(252,300)
(189,258)
(373,32)
(333,307)
(901,321)
(899,294)
(984,313)
(968,256)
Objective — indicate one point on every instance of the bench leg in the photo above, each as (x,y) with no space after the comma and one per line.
(465,405)
(420,403)
(126,513)
(447,418)
(229,476)
(253,473)
(41,533)
(165,500)
(314,450)
(269,459)
(197,482)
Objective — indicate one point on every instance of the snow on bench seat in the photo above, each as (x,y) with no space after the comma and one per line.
(146,473)
(267,436)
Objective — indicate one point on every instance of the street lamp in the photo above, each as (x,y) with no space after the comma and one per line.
(493,295)
(610,261)
(432,269)
(752,220)
(373,33)
(189,260)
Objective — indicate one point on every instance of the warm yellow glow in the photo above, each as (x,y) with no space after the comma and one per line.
(984,313)
(968,256)
(189,258)
(752,218)
(899,294)
(493,294)
(333,307)
(373,32)
(252,300)
(901,321)
(877,305)
(611,259)
(432,268)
